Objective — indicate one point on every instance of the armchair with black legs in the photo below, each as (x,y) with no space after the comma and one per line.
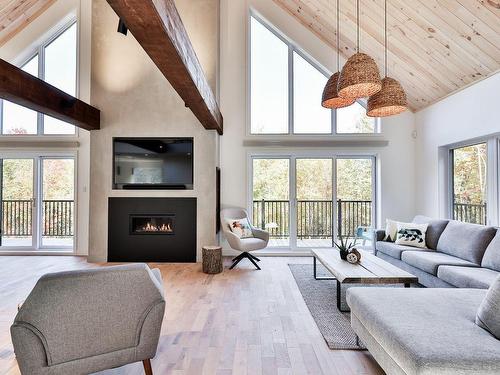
(258,240)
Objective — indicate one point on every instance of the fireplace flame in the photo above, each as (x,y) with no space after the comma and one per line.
(150,227)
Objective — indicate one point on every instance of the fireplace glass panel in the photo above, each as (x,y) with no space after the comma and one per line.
(152,224)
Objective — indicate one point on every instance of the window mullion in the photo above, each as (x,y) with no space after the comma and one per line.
(41,75)
(290,90)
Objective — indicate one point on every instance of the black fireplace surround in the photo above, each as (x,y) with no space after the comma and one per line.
(152,230)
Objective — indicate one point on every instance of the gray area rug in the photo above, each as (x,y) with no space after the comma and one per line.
(321,299)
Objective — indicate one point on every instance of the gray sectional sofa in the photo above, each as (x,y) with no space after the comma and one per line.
(458,254)
(433,331)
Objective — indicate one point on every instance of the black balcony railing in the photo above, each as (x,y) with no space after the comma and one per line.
(470,213)
(57,218)
(315,218)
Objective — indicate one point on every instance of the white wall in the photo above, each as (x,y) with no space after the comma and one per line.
(396,160)
(468,114)
(136,100)
(22,46)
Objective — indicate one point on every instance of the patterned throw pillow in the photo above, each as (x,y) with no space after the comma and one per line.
(410,234)
(240,227)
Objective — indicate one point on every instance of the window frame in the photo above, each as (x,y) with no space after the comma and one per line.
(292,48)
(39,51)
(292,156)
(492,177)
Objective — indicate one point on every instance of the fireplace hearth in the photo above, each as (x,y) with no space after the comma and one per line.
(151,229)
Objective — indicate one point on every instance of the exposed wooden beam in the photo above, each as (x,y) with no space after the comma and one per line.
(158,28)
(22,88)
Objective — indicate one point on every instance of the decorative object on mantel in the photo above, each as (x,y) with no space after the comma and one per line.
(360,76)
(391,100)
(330,98)
(344,247)
(354,256)
(212,259)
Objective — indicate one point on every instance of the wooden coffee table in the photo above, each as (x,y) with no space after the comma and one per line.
(370,270)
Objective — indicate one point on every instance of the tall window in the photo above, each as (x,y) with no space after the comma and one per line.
(469,176)
(54,62)
(286,89)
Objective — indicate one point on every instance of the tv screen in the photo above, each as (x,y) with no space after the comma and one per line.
(153,163)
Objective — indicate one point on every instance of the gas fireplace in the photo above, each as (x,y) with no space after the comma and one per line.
(144,229)
(152,224)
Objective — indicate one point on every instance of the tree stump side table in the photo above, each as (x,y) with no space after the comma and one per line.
(212,259)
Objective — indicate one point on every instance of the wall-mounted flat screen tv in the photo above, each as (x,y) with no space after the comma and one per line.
(153,163)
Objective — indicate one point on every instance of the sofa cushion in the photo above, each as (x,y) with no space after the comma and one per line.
(466,241)
(467,277)
(488,314)
(394,250)
(428,331)
(429,261)
(434,229)
(491,258)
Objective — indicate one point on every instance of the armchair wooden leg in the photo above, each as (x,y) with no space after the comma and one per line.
(147,367)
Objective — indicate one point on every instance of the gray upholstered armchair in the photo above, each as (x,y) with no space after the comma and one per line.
(244,245)
(80,322)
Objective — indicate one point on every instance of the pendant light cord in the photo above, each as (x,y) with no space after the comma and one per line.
(338,35)
(357,26)
(385,36)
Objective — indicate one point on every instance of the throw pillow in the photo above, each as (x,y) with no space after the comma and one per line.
(240,227)
(410,234)
(391,229)
(488,314)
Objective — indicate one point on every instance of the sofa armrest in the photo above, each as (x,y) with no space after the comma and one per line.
(261,234)
(150,332)
(233,240)
(29,349)
(379,234)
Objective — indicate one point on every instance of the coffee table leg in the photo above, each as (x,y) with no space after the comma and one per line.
(339,298)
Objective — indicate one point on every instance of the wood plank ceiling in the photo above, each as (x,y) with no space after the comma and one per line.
(15,15)
(436,47)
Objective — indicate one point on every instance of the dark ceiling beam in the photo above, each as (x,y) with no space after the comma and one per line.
(22,88)
(158,28)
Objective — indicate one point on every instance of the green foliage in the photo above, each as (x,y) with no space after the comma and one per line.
(344,245)
(314,179)
(270,179)
(58,179)
(469,174)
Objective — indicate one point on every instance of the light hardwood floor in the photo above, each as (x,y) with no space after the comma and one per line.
(239,322)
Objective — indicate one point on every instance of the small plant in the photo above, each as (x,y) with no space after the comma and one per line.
(344,247)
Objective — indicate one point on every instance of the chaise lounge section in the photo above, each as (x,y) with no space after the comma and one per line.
(422,331)
(433,331)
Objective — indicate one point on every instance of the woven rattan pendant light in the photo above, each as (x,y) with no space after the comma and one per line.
(330,98)
(360,77)
(391,100)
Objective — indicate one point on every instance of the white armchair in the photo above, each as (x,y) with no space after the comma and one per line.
(244,245)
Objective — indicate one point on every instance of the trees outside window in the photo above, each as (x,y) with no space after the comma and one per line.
(469,183)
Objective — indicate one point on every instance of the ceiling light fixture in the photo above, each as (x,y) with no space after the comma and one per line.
(330,98)
(360,76)
(391,100)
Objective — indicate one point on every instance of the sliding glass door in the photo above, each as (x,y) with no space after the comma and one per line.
(308,201)
(18,202)
(271,198)
(314,195)
(37,202)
